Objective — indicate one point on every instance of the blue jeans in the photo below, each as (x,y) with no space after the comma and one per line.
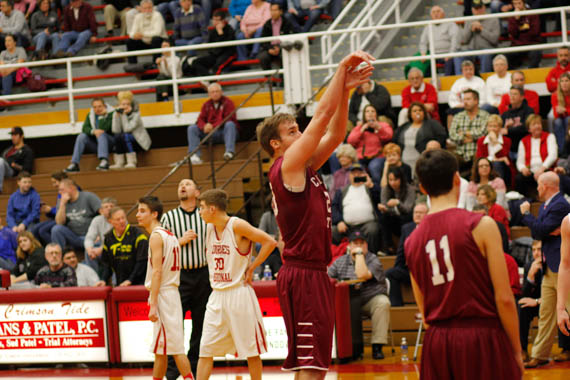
(126,143)
(63,236)
(168,7)
(41,40)
(79,40)
(194,41)
(227,134)
(102,145)
(42,231)
(560,128)
(242,50)
(489,108)
(301,13)
(485,60)
(7,264)
(5,171)
(375,168)
(7,83)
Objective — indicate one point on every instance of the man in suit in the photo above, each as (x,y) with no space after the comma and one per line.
(399,273)
(547,229)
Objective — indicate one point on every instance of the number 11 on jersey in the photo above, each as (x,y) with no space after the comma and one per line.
(431,250)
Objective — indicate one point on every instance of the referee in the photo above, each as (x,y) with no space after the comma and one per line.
(187,225)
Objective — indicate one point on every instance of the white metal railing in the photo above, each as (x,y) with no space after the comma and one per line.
(364,18)
(70,91)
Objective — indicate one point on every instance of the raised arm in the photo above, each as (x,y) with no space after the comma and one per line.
(564,279)
(303,150)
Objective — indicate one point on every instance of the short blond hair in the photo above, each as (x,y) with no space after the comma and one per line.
(532,118)
(347,150)
(125,95)
(392,148)
(495,119)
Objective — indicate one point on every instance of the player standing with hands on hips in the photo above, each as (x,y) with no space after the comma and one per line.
(162,280)
(302,207)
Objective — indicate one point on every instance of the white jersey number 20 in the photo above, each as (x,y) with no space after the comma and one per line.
(431,250)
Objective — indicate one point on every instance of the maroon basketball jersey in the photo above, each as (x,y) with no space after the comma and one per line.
(449,268)
(304,218)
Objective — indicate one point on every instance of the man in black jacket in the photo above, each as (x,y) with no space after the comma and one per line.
(277,25)
(210,63)
(19,157)
(514,119)
(375,94)
(399,273)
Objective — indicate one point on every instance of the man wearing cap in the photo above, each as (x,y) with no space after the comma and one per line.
(354,207)
(19,157)
(360,264)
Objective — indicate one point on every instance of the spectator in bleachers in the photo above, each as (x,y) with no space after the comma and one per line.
(79,27)
(467,127)
(42,230)
(354,208)
(56,274)
(415,134)
(483,173)
(514,118)
(117,9)
(75,211)
(213,59)
(251,26)
(495,147)
(497,84)
(237,9)
(27,7)
(17,157)
(277,25)
(487,196)
(479,35)
(213,111)
(95,236)
(147,32)
(86,276)
(467,81)
(360,263)
(562,65)
(537,153)
(12,54)
(44,25)
(396,204)
(368,137)
(95,136)
(167,64)
(30,258)
(172,6)
(393,155)
(190,25)
(13,22)
(125,251)
(446,39)
(560,100)
(529,304)
(8,245)
(546,227)
(24,205)
(518,79)
(346,155)
(524,30)
(498,6)
(370,93)
(399,273)
(418,91)
(129,132)
(298,10)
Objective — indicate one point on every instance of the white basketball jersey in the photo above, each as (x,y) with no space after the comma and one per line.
(226,264)
(170,260)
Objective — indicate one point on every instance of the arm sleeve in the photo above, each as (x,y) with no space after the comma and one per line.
(35,212)
(454,131)
(10,221)
(133,123)
(91,235)
(491,31)
(91,277)
(19,23)
(70,279)
(541,229)
(37,262)
(92,25)
(380,98)
(521,153)
(337,216)
(406,206)
(424,41)
(552,151)
(105,264)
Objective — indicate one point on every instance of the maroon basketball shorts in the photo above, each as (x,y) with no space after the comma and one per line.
(468,349)
(306,296)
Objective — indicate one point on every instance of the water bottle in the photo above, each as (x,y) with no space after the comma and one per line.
(404,350)
(267,275)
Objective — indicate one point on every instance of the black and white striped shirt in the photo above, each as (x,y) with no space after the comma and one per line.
(179,221)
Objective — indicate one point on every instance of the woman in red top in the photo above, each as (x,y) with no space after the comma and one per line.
(561,109)
(368,138)
(487,196)
(496,147)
